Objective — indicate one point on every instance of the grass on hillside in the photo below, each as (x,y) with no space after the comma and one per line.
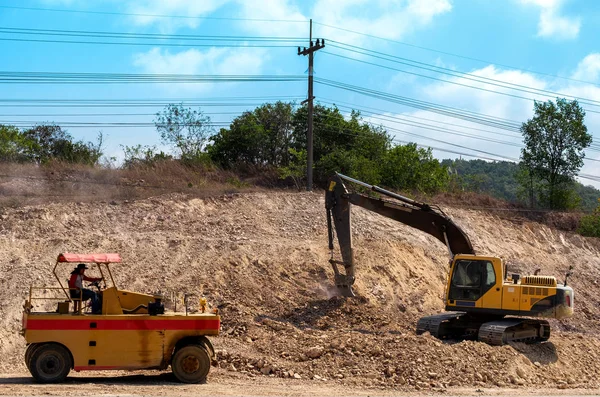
(29,184)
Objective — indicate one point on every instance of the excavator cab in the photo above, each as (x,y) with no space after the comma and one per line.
(477,284)
(471,279)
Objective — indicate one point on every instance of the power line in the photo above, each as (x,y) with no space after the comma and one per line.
(467,115)
(165,39)
(295,41)
(461,146)
(444,110)
(380,111)
(30,124)
(150,44)
(467,76)
(162,36)
(294,21)
(154,15)
(132,105)
(300,21)
(101,114)
(383,117)
(236,101)
(170,100)
(382,94)
(400,120)
(10,77)
(376,111)
(455,55)
(449,143)
(448,71)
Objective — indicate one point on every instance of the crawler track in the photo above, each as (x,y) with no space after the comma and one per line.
(493,331)
(514,330)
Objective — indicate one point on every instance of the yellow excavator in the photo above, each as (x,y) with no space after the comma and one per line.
(481,300)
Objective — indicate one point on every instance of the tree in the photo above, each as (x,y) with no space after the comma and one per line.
(296,170)
(50,142)
(555,139)
(276,121)
(186,130)
(410,168)
(261,137)
(349,163)
(529,186)
(349,146)
(14,146)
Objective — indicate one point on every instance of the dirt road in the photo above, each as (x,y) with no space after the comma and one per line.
(223,383)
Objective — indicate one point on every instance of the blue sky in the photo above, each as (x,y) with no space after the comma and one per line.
(549,45)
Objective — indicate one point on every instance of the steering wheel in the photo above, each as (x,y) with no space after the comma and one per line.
(95,284)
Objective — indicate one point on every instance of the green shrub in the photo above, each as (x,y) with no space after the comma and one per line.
(590,224)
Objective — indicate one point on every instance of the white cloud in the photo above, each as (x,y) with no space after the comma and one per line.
(589,68)
(273,10)
(552,23)
(189,10)
(384,18)
(247,9)
(391,19)
(505,107)
(220,61)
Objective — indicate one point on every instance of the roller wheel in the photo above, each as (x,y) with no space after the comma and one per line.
(30,349)
(191,364)
(49,363)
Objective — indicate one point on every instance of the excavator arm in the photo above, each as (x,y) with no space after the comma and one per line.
(419,215)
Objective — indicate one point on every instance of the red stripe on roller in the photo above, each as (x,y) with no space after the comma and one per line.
(122,325)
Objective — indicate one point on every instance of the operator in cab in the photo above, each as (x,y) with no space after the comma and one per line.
(77,291)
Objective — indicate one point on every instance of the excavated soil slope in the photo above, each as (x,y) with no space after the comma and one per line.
(262,259)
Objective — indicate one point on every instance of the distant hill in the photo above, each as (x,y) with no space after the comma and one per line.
(498,180)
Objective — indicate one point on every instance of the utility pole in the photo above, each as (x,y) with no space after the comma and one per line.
(309,136)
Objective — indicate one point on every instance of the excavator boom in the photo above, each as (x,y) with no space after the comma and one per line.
(421,216)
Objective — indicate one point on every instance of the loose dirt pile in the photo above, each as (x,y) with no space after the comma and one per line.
(262,259)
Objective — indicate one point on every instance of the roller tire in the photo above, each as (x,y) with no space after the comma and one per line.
(191,364)
(30,349)
(50,363)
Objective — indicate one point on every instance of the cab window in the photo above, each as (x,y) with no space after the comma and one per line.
(490,276)
(471,279)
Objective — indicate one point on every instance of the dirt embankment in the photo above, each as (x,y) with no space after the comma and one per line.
(262,259)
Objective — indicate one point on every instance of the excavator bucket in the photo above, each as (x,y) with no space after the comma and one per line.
(343,282)
(346,291)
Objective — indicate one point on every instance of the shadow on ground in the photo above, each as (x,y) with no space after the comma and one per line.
(543,353)
(136,379)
